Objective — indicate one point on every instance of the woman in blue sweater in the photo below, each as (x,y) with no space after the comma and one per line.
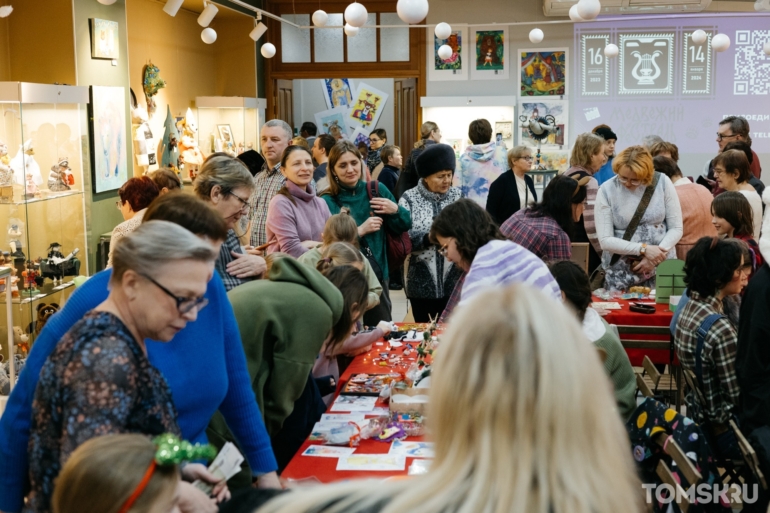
(204,366)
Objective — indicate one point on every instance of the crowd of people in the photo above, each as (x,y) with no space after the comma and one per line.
(228,314)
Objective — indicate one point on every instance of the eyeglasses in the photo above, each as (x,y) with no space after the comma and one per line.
(720,137)
(244,203)
(443,250)
(183,304)
(119,204)
(374,140)
(527,158)
(626,181)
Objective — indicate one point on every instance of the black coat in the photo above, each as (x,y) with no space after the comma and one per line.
(503,199)
(388,177)
(408,178)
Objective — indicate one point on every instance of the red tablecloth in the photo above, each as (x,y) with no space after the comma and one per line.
(325,469)
(625,317)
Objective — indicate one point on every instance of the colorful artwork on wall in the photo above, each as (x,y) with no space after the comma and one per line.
(537,110)
(490,53)
(456,66)
(367,106)
(108,131)
(333,122)
(543,72)
(337,92)
(104,39)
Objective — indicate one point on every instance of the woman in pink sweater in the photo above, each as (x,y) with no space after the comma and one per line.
(695,201)
(296,216)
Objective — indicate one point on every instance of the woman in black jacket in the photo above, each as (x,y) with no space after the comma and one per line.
(512,190)
(429,134)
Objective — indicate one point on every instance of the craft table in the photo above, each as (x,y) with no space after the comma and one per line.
(643,334)
(302,468)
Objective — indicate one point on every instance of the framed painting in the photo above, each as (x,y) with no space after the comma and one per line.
(108,138)
(368,103)
(333,122)
(104,39)
(490,53)
(337,92)
(539,109)
(225,134)
(456,66)
(543,72)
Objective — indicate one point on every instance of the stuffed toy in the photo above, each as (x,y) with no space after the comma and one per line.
(20,343)
(44,312)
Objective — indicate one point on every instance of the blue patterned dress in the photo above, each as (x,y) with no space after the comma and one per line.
(98,381)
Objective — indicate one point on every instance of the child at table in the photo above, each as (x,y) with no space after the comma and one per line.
(326,369)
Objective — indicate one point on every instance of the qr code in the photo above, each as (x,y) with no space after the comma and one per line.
(752,66)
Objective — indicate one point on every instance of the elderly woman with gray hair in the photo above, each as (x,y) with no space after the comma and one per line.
(98,380)
(225,184)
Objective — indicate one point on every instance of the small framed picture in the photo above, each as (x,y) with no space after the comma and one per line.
(104,39)
(225,134)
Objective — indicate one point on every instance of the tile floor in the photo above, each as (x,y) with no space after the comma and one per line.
(401,311)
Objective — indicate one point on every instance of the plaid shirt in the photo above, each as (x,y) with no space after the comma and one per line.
(267,183)
(231,243)
(720,384)
(541,235)
(453,299)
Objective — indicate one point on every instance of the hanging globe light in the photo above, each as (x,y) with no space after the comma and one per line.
(356,15)
(267,50)
(412,11)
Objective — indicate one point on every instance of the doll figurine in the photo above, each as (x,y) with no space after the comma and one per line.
(6,173)
(30,274)
(192,157)
(24,164)
(59,177)
(32,190)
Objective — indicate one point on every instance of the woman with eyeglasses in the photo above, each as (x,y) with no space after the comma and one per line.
(731,171)
(513,190)
(295,216)
(226,184)
(430,134)
(631,253)
(587,159)
(135,196)
(98,380)
(377,139)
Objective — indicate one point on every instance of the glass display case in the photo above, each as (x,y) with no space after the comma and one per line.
(229,123)
(43,152)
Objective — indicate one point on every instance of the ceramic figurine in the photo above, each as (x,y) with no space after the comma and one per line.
(6,173)
(60,176)
(24,164)
(31,191)
(169,151)
(30,274)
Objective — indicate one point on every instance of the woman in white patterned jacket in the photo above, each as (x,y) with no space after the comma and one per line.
(431,277)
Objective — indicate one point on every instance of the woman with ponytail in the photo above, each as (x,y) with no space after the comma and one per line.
(429,134)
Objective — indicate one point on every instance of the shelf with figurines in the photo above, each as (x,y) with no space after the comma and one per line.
(13,190)
(28,277)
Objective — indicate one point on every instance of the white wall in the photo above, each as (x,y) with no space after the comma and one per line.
(309,99)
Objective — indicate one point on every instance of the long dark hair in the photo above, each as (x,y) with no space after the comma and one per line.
(468,224)
(355,290)
(558,197)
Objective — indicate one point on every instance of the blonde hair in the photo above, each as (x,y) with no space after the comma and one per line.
(516,153)
(586,146)
(340,228)
(103,472)
(426,129)
(638,160)
(300,141)
(337,254)
(270,260)
(521,419)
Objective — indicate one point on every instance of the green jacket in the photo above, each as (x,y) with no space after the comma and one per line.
(357,200)
(313,256)
(283,323)
(619,370)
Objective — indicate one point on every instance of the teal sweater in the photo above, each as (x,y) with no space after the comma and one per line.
(357,200)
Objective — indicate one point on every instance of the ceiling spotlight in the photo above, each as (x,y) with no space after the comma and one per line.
(350,30)
(443,31)
(267,50)
(412,11)
(720,42)
(172,7)
(107,2)
(356,15)
(207,16)
(536,35)
(573,14)
(320,18)
(611,51)
(258,31)
(209,35)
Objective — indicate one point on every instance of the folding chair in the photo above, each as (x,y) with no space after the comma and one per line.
(661,385)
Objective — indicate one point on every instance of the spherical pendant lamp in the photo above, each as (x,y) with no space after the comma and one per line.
(720,42)
(699,37)
(536,35)
(412,11)
(443,31)
(444,52)
(209,35)
(589,9)
(356,15)
(611,51)
(320,18)
(267,50)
